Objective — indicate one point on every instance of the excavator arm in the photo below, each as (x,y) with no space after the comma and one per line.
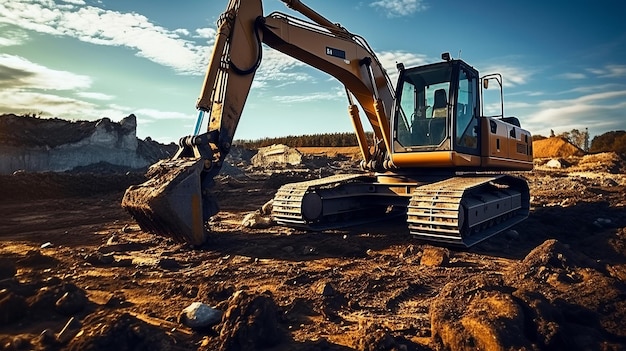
(323,45)
(176,200)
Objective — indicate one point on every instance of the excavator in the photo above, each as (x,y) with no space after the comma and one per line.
(435,156)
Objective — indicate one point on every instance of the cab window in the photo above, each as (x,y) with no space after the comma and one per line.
(422,119)
(466,121)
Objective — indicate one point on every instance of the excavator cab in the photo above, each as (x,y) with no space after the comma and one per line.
(436,109)
(438,123)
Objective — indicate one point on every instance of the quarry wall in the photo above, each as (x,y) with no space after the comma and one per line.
(37,145)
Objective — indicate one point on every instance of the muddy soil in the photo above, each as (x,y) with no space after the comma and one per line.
(77,273)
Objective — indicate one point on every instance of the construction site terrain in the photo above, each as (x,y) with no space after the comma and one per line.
(77,273)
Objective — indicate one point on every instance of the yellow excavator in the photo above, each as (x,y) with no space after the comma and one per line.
(434,155)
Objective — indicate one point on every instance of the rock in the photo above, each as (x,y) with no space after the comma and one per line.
(199,316)
(114,239)
(98,258)
(435,257)
(20,343)
(169,264)
(123,262)
(409,251)
(69,331)
(250,322)
(34,258)
(375,338)
(7,268)
(46,338)
(71,302)
(556,163)
(12,308)
(267,207)
(256,220)
(325,289)
(276,155)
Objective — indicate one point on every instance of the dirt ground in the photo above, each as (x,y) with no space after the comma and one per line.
(76,273)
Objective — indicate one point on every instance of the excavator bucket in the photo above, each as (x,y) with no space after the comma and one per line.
(170,202)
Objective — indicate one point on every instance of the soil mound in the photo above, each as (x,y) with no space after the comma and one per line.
(608,162)
(555,147)
(543,302)
(120,331)
(478,313)
(250,322)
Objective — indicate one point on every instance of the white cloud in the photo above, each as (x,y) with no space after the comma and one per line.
(95,96)
(511,75)
(400,8)
(337,94)
(48,105)
(11,37)
(587,89)
(104,27)
(609,71)
(598,111)
(18,72)
(74,2)
(278,69)
(162,115)
(389,60)
(571,75)
(208,33)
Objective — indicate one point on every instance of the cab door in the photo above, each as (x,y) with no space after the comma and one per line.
(466,112)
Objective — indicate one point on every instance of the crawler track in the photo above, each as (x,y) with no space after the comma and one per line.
(467,210)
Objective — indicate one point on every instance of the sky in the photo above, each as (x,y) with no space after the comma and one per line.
(563,62)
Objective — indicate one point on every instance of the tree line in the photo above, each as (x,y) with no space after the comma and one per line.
(609,141)
(318,140)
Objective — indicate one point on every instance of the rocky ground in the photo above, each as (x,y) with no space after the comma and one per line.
(76,273)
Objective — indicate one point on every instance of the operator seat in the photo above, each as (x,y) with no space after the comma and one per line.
(437,124)
(440,105)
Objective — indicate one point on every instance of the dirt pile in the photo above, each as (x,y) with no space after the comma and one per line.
(555,147)
(592,165)
(541,303)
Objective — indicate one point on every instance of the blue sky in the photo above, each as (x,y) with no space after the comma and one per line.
(564,63)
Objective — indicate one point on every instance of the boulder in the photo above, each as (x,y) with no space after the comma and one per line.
(276,155)
(199,316)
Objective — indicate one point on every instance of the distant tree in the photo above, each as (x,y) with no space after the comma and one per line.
(538,137)
(576,137)
(609,141)
(552,133)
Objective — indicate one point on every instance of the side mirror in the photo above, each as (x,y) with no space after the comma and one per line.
(486,83)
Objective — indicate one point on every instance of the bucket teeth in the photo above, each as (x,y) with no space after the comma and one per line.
(170,202)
